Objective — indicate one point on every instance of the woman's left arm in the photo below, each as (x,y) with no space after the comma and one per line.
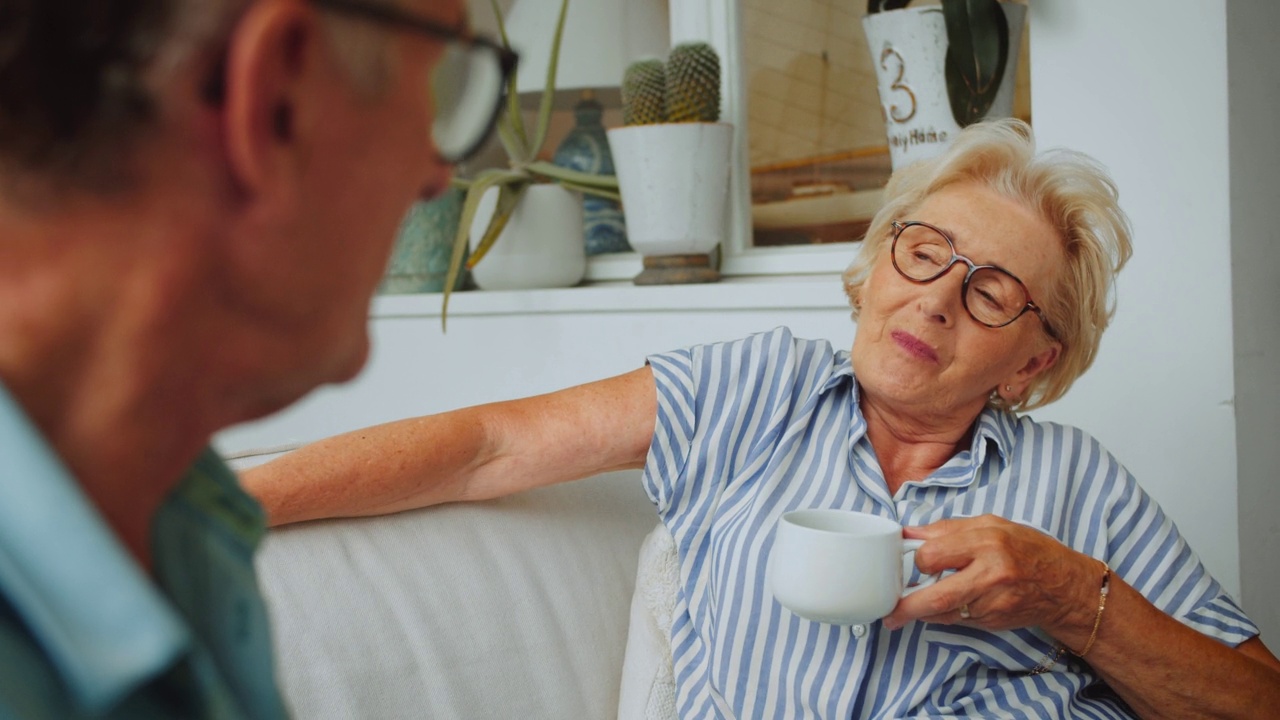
(1163,668)
(1010,576)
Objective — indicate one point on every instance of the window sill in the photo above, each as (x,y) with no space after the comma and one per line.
(818,291)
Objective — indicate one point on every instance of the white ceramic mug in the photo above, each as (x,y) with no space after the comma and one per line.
(840,566)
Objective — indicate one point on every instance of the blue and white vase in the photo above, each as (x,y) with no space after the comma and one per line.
(586,149)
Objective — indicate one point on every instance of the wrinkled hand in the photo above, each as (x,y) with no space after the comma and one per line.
(1009,576)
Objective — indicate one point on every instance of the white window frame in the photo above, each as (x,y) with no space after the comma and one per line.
(718,22)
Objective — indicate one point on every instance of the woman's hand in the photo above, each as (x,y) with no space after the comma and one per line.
(1010,576)
(1007,576)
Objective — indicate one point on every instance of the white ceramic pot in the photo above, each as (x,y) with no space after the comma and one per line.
(542,245)
(908,50)
(674,180)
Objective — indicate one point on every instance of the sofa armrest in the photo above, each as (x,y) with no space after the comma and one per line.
(515,607)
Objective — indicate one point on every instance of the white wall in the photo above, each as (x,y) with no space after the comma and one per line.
(1143,90)
(1254,85)
(1186,392)
(1139,87)
(515,344)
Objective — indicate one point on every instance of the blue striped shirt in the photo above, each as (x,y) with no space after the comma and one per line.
(751,429)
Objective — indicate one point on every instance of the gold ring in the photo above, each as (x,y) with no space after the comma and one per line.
(964,611)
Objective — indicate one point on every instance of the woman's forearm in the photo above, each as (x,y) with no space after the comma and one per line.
(1165,669)
(474,453)
(400,465)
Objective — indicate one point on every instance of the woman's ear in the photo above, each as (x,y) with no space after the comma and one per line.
(1016,386)
(266,78)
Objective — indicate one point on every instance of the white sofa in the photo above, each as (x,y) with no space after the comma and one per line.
(510,608)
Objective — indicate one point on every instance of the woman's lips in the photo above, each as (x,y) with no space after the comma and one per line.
(914,345)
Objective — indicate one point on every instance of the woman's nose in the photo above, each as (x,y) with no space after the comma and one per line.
(940,299)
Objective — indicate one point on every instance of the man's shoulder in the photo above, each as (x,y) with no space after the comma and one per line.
(29,687)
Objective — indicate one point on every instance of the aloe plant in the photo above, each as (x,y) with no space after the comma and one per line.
(522,148)
(977,53)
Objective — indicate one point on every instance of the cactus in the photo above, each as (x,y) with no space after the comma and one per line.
(644,93)
(693,83)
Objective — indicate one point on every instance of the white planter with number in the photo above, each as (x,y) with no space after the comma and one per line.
(908,50)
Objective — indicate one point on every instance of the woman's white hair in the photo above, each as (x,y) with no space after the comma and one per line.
(1069,190)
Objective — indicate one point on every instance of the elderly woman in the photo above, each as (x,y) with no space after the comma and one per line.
(982,290)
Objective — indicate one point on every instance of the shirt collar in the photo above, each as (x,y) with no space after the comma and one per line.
(994,427)
(104,626)
(841,370)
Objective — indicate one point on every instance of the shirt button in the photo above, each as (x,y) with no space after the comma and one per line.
(859,630)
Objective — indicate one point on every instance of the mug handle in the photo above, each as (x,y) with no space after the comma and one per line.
(909,548)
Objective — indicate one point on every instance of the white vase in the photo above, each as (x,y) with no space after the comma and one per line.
(542,245)
(908,50)
(674,181)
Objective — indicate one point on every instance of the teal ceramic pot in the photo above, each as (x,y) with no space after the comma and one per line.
(420,259)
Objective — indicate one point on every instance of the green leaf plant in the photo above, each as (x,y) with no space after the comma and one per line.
(524,169)
(977,53)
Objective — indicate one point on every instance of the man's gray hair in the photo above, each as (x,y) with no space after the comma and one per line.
(81,81)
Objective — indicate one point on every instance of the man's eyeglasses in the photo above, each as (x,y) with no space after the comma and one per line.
(992,295)
(467,85)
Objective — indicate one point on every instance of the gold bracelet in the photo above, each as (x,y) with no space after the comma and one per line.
(1102,605)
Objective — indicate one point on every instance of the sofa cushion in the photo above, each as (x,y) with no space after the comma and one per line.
(515,607)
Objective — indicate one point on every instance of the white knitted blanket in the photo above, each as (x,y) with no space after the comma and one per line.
(648,690)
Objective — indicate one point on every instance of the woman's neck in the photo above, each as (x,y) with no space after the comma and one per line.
(912,446)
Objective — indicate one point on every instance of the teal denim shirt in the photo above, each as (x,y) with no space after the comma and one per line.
(86,633)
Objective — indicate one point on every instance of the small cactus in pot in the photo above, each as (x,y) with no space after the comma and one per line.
(673,160)
(686,88)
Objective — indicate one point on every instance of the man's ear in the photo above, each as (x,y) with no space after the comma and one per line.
(266,78)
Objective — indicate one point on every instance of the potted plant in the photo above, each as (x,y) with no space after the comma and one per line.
(940,69)
(526,218)
(672,160)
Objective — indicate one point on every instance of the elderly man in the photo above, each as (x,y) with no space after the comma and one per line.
(197,198)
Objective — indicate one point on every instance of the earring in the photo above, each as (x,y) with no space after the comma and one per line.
(1008,388)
